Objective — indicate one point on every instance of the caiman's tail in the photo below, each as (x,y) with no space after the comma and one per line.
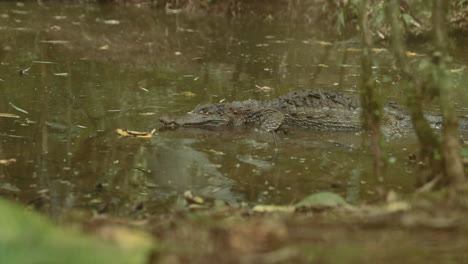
(436,122)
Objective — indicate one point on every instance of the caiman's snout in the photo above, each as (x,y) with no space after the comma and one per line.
(194,120)
(168,121)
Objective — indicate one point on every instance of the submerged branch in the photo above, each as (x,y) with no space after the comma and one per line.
(371,108)
(453,164)
(428,141)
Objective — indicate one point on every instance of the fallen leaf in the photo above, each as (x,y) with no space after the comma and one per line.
(173,11)
(55,28)
(323,43)
(409,53)
(273,208)
(7,161)
(63,74)
(129,133)
(24,71)
(8,115)
(193,199)
(397,206)
(111,22)
(18,109)
(264,88)
(9,187)
(55,41)
(376,50)
(147,113)
(44,62)
(457,70)
(188,94)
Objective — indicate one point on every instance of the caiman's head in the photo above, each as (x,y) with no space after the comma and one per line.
(202,115)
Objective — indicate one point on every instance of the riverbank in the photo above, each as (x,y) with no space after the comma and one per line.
(338,14)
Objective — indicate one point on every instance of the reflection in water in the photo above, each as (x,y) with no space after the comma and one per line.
(176,166)
(89,75)
(354,183)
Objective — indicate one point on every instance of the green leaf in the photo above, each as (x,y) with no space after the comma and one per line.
(408,19)
(464,152)
(341,19)
(322,199)
(26,237)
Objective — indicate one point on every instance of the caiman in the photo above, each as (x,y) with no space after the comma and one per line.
(316,109)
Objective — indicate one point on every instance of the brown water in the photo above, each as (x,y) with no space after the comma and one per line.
(73,74)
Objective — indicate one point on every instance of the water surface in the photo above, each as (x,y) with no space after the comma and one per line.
(73,74)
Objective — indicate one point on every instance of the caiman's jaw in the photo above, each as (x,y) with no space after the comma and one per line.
(194,120)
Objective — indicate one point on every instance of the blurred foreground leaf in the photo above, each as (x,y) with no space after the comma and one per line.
(26,237)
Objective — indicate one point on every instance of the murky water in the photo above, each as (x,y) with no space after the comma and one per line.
(73,74)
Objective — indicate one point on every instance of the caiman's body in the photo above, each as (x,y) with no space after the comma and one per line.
(316,109)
